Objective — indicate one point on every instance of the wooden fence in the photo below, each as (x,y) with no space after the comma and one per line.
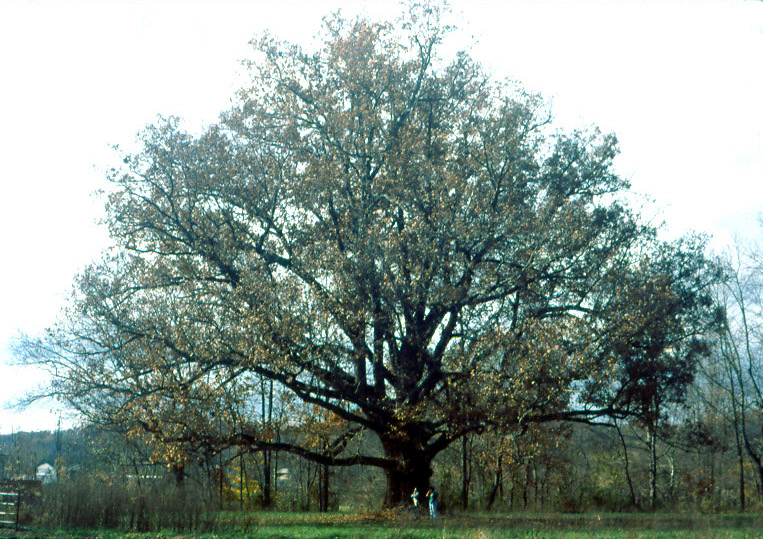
(10,504)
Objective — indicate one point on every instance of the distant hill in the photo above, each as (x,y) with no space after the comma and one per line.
(22,452)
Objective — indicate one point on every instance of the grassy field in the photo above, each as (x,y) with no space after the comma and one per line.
(473,526)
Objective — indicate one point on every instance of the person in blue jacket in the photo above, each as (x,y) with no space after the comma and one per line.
(432,497)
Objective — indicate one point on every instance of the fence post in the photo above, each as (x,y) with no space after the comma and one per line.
(10,507)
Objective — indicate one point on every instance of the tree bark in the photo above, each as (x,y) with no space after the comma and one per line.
(465,473)
(178,471)
(267,475)
(412,469)
(627,465)
(740,459)
(266,394)
(497,485)
(652,467)
(324,475)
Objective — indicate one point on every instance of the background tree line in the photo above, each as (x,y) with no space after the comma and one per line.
(551,467)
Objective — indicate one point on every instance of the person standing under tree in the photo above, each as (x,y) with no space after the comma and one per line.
(432,498)
(415,500)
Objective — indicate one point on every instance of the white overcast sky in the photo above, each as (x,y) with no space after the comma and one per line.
(680,83)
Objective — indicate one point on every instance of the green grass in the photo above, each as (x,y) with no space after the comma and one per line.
(384,525)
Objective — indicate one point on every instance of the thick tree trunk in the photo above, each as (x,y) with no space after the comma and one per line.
(465,473)
(756,458)
(178,471)
(627,466)
(413,469)
(323,487)
(760,480)
(267,475)
(738,438)
(241,482)
(498,485)
(652,467)
(742,498)
(266,396)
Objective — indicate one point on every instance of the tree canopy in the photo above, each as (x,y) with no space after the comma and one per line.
(390,236)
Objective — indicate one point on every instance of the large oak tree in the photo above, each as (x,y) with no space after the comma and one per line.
(390,236)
